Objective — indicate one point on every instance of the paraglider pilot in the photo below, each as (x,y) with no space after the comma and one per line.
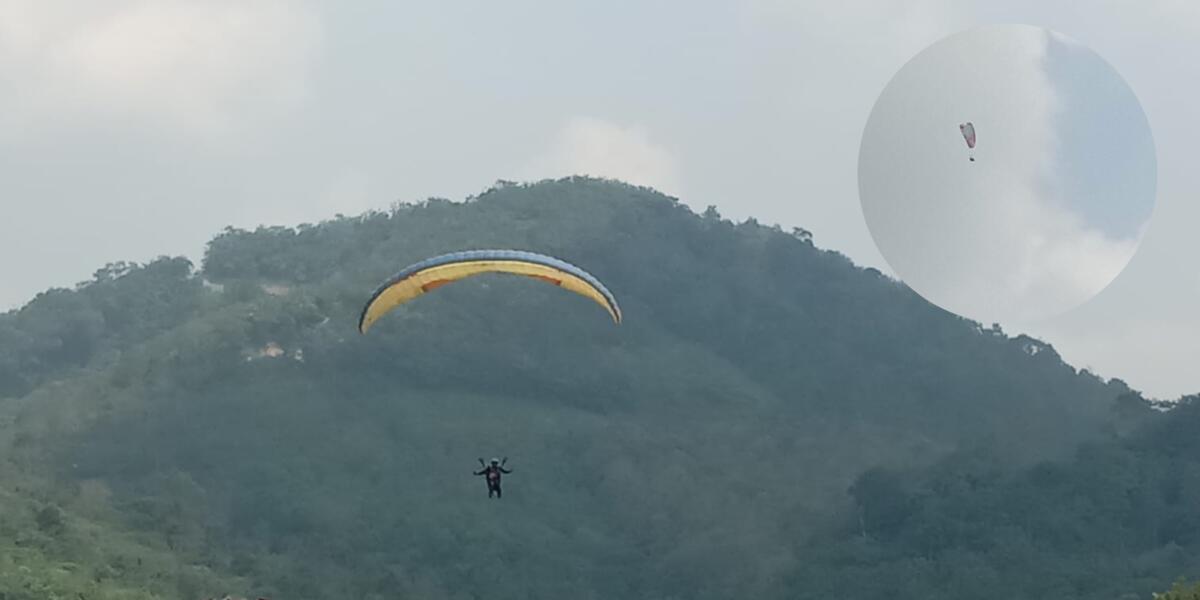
(493,472)
(968,133)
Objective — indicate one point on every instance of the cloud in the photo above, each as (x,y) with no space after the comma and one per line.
(1043,260)
(589,146)
(196,68)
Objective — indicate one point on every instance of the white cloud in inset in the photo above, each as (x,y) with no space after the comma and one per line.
(192,67)
(589,146)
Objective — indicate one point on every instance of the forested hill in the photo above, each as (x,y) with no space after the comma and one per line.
(233,414)
(807,329)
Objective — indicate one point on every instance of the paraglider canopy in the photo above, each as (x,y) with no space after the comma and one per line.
(432,273)
(968,133)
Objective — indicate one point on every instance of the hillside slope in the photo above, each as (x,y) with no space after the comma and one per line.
(681,454)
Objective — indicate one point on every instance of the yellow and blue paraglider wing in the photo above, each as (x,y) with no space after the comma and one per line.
(432,273)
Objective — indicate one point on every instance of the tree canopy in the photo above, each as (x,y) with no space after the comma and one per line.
(770,420)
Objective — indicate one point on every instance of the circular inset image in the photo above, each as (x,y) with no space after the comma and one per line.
(1007,173)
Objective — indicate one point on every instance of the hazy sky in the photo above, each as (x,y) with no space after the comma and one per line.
(130,129)
(1057,199)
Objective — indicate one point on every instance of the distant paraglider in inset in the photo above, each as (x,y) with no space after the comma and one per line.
(968,133)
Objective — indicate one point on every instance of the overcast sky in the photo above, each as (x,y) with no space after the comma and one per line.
(130,129)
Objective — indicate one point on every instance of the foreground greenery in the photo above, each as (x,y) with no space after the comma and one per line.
(1180,591)
(49,553)
(770,421)
(1119,520)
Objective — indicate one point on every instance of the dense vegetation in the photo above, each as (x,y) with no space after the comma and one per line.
(1119,520)
(703,449)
